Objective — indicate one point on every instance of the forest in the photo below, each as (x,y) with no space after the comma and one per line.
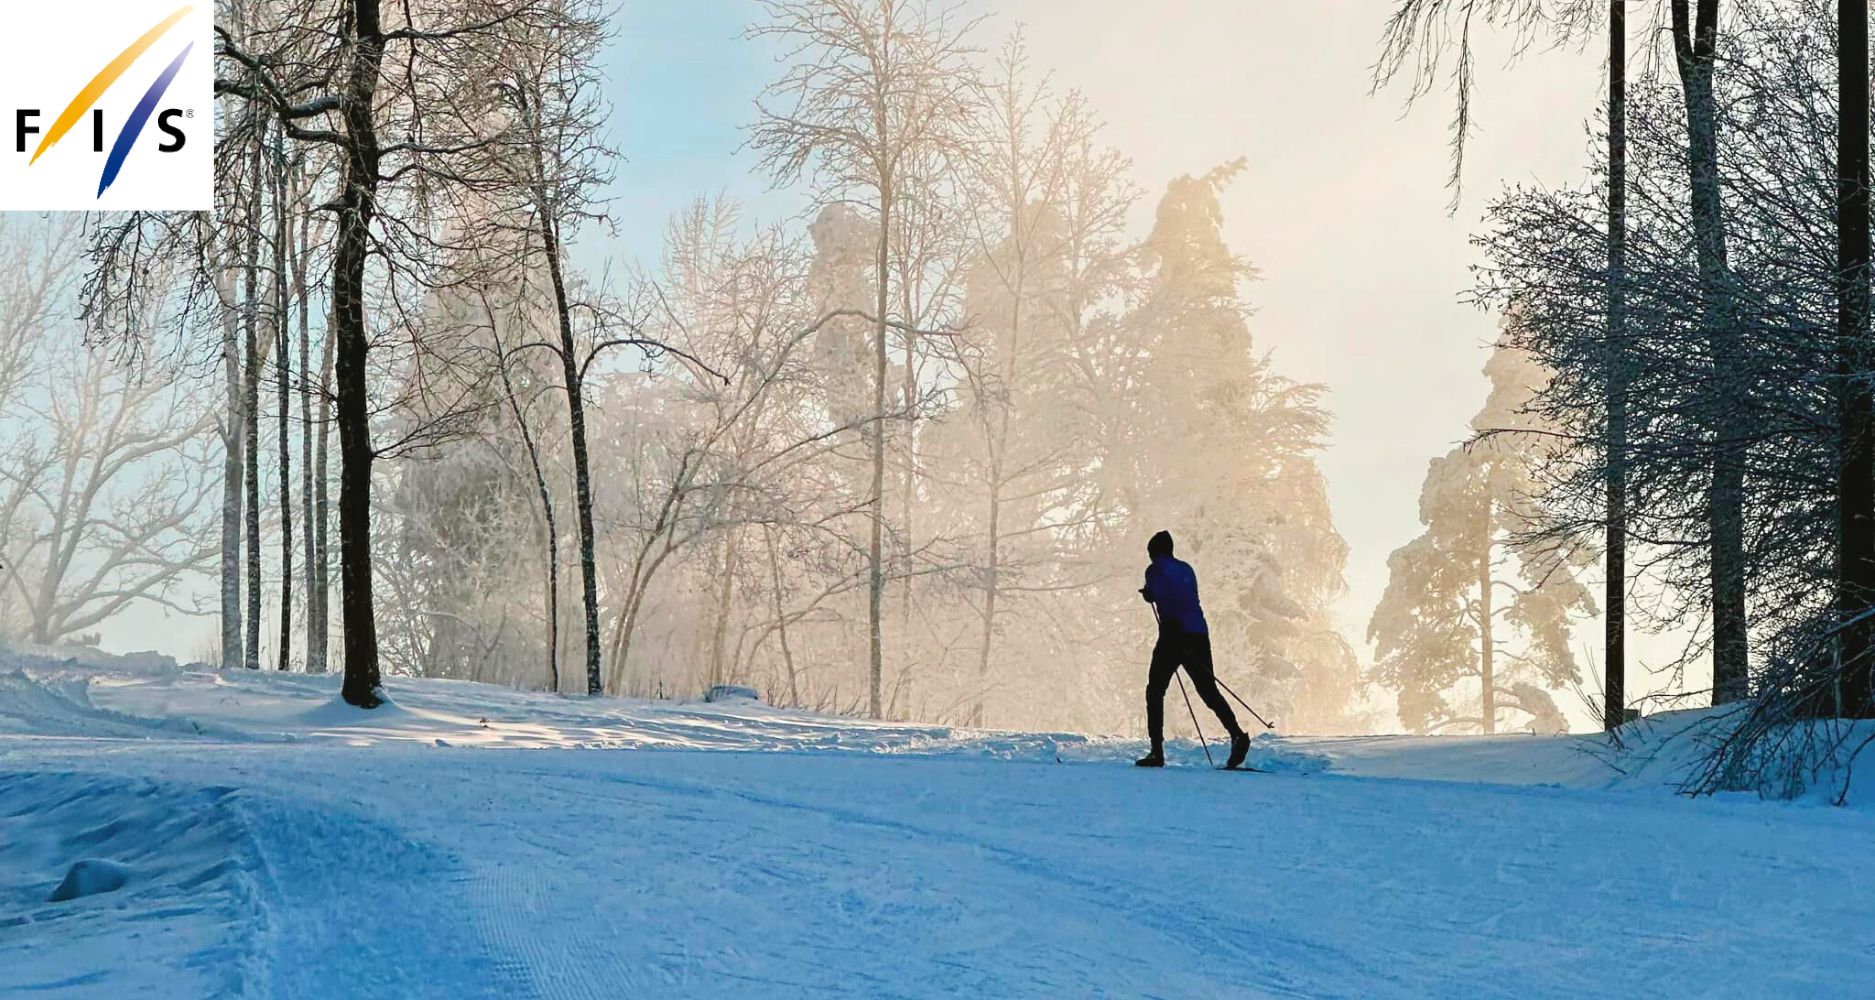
(898,457)
(380,414)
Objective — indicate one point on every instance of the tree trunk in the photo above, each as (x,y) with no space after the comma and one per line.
(582,466)
(283,362)
(997,440)
(626,628)
(250,405)
(875,590)
(1487,647)
(1695,43)
(1614,695)
(552,541)
(319,627)
(1855,559)
(725,592)
(233,473)
(781,619)
(357,203)
(307,542)
(991,589)
(908,502)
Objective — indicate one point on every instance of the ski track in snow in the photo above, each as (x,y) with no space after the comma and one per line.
(284,847)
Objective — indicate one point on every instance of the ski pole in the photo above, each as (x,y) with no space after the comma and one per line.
(1266,723)
(1194,720)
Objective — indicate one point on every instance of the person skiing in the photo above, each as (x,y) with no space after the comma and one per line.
(1184,640)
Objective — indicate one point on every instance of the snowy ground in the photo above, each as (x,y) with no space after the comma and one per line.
(471,841)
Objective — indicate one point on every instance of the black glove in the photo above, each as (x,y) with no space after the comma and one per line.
(1144,596)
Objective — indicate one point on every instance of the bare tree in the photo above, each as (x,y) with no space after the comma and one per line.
(234,469)
(104,481)
(874,84)
(362,155)
(1423,32)
(1775,102)
(550,541)
(36,265)
(311,493)
(1021,179)
(553,87)
(1615,537)
(700,471)
(318,624)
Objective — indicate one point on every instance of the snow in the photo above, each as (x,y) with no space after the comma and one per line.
(90,877)
(471,841)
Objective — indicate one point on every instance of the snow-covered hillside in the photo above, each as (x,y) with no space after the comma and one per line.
(473,841)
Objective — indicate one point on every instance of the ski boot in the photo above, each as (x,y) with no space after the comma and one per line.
(1239,749)
(1154,759)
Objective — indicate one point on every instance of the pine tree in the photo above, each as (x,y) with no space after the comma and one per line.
(1220,449)
(1442,633)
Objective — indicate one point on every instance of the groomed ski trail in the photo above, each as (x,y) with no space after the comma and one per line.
(416,852)
(407,871)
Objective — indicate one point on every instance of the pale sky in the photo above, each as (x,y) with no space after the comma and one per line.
(1343,206)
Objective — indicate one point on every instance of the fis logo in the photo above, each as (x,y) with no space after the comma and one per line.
(139,88)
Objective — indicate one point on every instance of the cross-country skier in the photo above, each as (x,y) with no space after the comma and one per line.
(1184,640)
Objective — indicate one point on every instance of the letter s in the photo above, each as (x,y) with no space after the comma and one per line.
(162,122)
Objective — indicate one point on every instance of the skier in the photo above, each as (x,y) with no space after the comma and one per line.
(1184,640)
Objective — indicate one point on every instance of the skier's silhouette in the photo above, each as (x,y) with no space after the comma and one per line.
(1184,640)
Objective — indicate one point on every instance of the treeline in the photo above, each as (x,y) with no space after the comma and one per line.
(1700,309)
(901,460)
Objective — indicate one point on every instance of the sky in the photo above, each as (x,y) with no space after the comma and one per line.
(1343,206)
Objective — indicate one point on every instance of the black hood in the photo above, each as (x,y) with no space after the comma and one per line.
(1160,545)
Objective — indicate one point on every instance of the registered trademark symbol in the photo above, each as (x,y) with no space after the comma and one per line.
(189,113)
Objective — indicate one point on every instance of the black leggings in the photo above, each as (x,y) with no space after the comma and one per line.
(1193,652)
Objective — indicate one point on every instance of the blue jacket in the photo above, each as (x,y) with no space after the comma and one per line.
(1173,586)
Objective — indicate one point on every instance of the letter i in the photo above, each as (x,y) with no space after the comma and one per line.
(97,130)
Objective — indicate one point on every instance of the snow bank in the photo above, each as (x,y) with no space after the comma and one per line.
(1814,761)
(158,876)
(71,698)
(146,697)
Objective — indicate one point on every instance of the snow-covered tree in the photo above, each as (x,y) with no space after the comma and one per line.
(1221,451)
(1476,616)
